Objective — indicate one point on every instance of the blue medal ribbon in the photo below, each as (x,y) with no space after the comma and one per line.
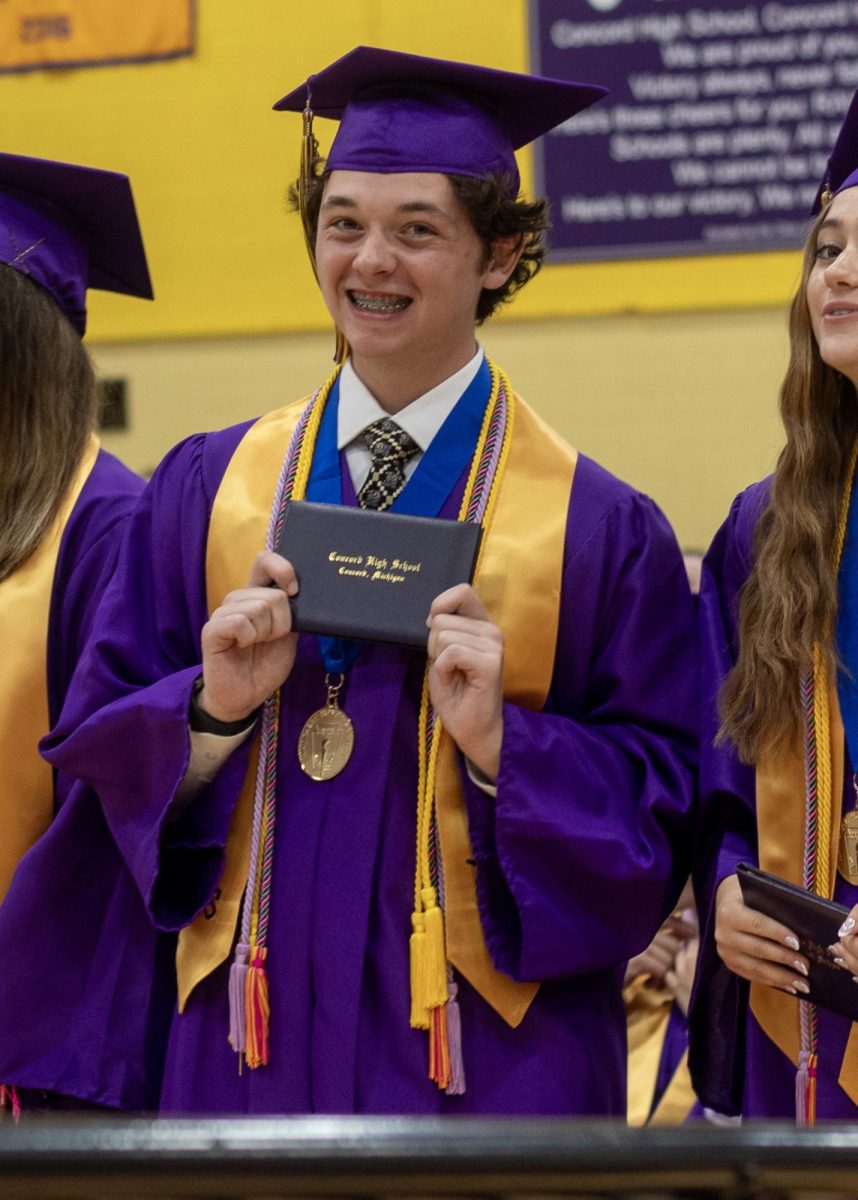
(425,493)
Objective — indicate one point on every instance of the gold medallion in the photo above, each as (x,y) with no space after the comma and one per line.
(328,737)
(847,859)
(847,856)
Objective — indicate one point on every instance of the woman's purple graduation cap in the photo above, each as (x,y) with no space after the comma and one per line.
(405,113)
(70,228)
(842,170)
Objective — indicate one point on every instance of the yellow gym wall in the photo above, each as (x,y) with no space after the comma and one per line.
(666,371)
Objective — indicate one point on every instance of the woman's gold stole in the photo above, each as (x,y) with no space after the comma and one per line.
(27,795)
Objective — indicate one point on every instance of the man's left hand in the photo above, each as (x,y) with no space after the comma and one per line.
(466,675)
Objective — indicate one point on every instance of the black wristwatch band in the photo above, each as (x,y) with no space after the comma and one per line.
(202,722)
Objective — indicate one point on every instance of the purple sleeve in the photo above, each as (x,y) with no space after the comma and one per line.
(85,561)
(132,689)
(585,849)
(725,832)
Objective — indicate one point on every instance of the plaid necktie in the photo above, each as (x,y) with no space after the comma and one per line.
(390,449)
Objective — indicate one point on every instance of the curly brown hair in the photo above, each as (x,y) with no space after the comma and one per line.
(493,212)
(789,602)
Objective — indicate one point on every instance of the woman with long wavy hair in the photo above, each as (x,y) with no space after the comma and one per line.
(779,616)
(63,501)
(63,228)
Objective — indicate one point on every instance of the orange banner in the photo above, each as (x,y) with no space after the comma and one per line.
(37,34)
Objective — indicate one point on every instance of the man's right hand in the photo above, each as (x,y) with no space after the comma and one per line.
(248,644)
(755,946)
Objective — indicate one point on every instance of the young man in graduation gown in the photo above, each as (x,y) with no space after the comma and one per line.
(427,909)
(63,229)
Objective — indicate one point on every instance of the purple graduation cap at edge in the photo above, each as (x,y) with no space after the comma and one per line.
(407,113)
(842,170)
(70,228)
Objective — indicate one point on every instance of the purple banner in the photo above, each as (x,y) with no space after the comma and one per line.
(717,131)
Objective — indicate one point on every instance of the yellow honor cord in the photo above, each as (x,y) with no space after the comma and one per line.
(308,443)
(822,735)
(427,947)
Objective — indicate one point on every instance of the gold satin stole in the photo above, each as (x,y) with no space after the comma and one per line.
(647,1016)
(780,796)
(528,526)
(26,793)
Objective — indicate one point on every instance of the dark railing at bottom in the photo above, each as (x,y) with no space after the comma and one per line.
(93,1158)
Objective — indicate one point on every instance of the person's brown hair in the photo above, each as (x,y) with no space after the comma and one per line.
(47,411)
(493,212)
(789,602)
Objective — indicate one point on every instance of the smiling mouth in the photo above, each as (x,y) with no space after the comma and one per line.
(366,302)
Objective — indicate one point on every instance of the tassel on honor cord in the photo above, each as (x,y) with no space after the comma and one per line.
(456,1084)
(805,1089)
(258,1010)
(428,962)
(237,1007)
(427,947)
(430,975)
(435,977)
(440,1012)
(9,1098)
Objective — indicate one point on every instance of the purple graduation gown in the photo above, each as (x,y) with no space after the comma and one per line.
(58,918)
(86,556)
(735,1067)
(578,859)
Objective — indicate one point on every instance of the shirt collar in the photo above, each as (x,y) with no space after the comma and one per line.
(421,419)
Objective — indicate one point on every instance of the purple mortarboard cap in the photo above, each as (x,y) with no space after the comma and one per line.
(70,228)
(404,113)
(842,170)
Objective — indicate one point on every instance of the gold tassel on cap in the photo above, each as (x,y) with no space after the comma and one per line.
(309,157)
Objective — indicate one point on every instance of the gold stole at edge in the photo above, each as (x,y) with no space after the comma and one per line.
(522,593)
(648,1011)
(780,825)
(27,795)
